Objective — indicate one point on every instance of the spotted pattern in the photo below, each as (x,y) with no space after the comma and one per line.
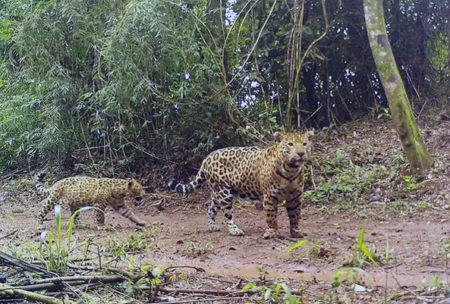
(271,175)
(80,191)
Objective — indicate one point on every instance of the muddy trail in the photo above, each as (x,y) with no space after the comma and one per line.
(406,223)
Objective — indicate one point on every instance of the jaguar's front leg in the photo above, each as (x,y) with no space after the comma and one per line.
(271,208)
(293,211)
(126,212)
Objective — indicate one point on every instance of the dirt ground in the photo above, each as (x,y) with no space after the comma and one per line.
(416,240)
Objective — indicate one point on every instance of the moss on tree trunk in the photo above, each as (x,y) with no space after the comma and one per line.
(401,111)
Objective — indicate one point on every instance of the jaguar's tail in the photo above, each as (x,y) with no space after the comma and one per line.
(197,182)
(39,183)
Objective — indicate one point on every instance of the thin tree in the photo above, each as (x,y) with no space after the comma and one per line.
(401,111)
(296,58)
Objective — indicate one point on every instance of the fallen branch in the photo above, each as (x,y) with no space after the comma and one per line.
(412,294)
(217,292)
(58,283)
(9,234)
(86,279)
(199,269)
(132,276)
(10,260)
(212,300)
(9,290)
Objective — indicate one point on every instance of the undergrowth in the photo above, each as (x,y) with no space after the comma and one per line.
(347,180)
(339,179)
(54,248)
(362,255)
(303,250)
(133,243)
(196,248)
(276,292)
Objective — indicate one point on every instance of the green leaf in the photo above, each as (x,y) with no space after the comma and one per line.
(249,286)
(157,272)
(277,289)
(267,294)
(363,248)
(296,245)
(72,222)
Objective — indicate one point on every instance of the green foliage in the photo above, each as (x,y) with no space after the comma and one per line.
(137,242)
(347,275)
(444,246)
(362,248)
(296,245)
(362,255)
(198,248)
(278,292)
(384,113)
(422,206)
(19,119)
(319,249)
(152,276)
(303,250)
(412,183)
(120,84)
(54,248)
(345,182)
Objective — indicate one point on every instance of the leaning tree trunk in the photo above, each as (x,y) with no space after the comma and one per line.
(401,111)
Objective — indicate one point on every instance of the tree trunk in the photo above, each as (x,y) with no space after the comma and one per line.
(294,56)
(216,23)
(401,111)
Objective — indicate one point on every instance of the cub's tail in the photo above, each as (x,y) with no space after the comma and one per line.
(197,182)
(39,183)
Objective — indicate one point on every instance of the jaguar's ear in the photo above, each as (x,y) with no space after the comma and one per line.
(309,134)
(277,136)
(130,182)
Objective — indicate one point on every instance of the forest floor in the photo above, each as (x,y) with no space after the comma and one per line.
(358,178)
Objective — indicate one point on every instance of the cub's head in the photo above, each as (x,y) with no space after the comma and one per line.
(293,148)
(135,189)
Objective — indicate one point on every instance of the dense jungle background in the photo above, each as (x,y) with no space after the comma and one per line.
(134,84)
(146,89)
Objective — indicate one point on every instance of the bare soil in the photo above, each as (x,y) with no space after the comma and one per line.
(415,239)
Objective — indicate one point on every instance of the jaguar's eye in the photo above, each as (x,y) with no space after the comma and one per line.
(305,143)
(290,144)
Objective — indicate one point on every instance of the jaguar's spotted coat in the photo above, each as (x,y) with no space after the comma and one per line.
(271,175)
(81,191)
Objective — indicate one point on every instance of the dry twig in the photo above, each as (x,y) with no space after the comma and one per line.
(12,291)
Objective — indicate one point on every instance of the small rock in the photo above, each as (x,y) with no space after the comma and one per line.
(359,288)
(3,196)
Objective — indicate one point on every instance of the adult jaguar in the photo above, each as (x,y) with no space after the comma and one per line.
(80,191)
(271,175)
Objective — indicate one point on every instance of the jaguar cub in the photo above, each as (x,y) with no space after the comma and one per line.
(271,175)
(81,191)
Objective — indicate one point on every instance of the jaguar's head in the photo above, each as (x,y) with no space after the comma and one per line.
(135,189)
(293,148)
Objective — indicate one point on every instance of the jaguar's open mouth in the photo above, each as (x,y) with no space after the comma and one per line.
(294,164)
(296,161)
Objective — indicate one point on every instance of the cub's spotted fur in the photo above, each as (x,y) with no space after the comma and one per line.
(81,191)
(271,175)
